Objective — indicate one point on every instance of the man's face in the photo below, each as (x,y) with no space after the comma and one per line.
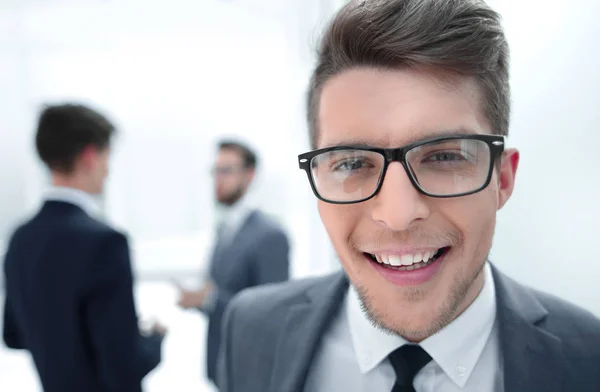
(231,176)
(391,109)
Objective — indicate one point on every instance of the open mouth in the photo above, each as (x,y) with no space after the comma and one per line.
(408,262)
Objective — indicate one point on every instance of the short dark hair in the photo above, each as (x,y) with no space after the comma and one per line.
(64,130)
(464,37)
(248,156)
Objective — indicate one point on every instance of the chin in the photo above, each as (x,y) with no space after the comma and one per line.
(412,311)
(414,321)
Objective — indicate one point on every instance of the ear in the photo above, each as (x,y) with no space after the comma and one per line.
(251,174)
(88,157)
(506,175)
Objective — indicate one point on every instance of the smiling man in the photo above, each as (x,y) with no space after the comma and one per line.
(408,112)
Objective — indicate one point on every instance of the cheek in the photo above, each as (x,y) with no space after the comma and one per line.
(339,221)
(226,184)
(223,184)
(475,218)
(328,217)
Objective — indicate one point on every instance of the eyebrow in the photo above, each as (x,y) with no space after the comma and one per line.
(385,143)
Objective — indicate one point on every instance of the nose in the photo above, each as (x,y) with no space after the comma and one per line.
(398,203)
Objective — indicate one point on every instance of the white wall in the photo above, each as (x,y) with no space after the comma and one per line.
(546,235)
(176,76)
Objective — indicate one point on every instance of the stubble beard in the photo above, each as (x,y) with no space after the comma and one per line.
(445,314)
(233,197)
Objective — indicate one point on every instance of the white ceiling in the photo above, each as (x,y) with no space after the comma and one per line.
(259,4)
(33,3)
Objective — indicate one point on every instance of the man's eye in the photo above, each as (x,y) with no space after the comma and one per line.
(444,156)
(349,165)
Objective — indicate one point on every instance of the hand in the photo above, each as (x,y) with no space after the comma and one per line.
(158,329)
(152,327)
(193,298)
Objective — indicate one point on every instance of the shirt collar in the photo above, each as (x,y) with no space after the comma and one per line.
(77,197)
(456,348)
(234,216)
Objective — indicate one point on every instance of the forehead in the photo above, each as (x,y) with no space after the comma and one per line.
(228,156)
(390,108)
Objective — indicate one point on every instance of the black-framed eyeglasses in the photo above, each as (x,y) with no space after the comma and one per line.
(447,166)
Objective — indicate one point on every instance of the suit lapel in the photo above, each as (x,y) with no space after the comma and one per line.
(301,333)
(245,229)
(226,245)
(533,358)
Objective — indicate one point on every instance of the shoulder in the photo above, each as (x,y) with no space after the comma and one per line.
(266,223)
(91,226)
(109,237)
(23,229)
(257,304)
(576,327)
(19,231)
(84,231)
(93,235)
(70,221)
(578,331)
(97,236)
(571,322)
(266,230)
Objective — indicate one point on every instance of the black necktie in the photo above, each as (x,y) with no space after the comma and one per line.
(407,361)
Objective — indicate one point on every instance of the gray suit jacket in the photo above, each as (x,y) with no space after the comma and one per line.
(258,254)
(271,335)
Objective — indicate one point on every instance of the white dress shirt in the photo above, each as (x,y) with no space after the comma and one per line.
(465,354)
(233,217)
(77,197)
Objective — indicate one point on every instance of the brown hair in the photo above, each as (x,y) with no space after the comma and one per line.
(64,130)
(463,37)
(248,156)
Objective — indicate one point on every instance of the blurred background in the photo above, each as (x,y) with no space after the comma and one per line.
(176,76)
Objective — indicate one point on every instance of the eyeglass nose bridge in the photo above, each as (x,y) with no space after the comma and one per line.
(398,155)
(395,155)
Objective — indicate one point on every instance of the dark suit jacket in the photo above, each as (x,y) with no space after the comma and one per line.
(258,254)
(271,335)
(69,302)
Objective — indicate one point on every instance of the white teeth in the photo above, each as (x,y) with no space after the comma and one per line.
(395,260)
(407,259)
(382,259)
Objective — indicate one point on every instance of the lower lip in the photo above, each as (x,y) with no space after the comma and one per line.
(409,278)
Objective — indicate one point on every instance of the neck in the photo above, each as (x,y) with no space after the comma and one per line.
(70,181)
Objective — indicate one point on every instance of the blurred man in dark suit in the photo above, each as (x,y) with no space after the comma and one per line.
(69,283)
(250,250)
